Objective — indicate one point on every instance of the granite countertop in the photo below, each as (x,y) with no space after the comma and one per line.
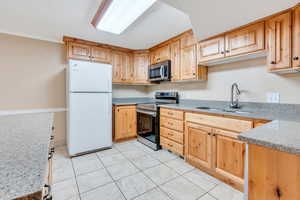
(280,135)
(131,101)
(24,145)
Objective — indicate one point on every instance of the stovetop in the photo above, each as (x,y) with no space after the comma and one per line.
(161,99)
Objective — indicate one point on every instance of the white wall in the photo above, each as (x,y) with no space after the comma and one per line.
(252,77)
(125,91)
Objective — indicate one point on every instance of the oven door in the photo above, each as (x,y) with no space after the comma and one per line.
(148,128)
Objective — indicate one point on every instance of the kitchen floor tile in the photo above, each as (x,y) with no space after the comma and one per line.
(179,165)
(107,152)
(207,197)
(93,180)
(131,154)
(62,170)
(160,174)
(206,176)
(163,155)
(182,189)
(145,162)
(122,170)
(135,185)
(87,163)
(106,192)
(126,146)
(200,180)
(113,159)
(225,192)
(65,190)
(155,194)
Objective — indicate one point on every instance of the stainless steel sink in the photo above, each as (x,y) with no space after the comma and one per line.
(223,110)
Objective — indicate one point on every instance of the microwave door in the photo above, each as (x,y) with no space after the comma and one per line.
(162,72)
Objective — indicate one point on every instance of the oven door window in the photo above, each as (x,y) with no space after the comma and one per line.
(148,127)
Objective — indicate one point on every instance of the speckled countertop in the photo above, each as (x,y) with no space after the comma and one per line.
(282,134)
(131,101)
(24,143)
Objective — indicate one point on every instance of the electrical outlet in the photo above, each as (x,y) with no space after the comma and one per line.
(273,97)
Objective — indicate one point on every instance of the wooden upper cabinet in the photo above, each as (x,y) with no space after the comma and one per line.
(279,42)
(160,54)
(245,40)
(188,39)
(198,145)
(125,122)
(188,63)
(296,38)
(79,51)
(211,49)
(99,54)
(128,74)
(175,61)
(117,63)
(230,155)
(141,68)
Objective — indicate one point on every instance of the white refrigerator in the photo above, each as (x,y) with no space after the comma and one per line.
(89,107)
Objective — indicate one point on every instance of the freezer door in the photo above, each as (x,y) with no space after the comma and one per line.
(90,122)
(89,77)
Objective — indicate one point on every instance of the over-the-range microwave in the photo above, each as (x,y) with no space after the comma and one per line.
(160,71)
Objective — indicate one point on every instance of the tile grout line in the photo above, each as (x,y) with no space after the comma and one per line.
(111,177)
(76,179)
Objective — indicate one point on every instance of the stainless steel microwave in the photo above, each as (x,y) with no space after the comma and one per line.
(160,71)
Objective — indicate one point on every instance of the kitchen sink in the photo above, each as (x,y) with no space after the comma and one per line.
(223,110)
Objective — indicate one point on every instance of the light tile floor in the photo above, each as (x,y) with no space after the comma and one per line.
(132,171)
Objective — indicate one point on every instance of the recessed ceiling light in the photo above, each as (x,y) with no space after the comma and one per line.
(115,16)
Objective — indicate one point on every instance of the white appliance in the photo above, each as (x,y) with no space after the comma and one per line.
(89,102)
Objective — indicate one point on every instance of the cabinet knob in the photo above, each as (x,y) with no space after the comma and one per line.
(273,62)
(194,74)
(227,51)
(296,58)
(222,52)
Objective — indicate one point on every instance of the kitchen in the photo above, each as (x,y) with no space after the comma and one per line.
(219,139)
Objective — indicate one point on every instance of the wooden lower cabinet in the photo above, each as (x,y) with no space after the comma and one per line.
(125,122)
(229,158)
(198,144)
(172,130)
(214,150)
(273,175)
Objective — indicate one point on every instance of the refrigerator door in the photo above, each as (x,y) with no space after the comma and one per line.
(89,77)
(90,122)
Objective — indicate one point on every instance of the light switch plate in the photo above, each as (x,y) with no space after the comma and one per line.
(273,97)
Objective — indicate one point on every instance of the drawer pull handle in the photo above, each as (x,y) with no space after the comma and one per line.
(170,134)
(170,123)
(170,145)
(170,113)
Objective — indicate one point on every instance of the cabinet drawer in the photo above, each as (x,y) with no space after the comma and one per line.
(171,124)
(172,113)
(220,122)
(172,135)
(173,146)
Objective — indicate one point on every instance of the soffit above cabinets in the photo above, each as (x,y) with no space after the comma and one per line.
(212,17)
(50,20)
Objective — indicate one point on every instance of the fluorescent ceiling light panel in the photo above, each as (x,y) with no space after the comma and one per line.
(121,14)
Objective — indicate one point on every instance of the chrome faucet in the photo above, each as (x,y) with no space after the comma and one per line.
(235,102)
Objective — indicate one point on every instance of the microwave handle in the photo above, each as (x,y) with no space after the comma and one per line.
(161,71)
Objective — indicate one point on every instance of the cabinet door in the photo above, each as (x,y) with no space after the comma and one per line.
(188,63)
(211,49)
(296,37)
(198,145)
(101,55)
(175,60)
(125,122)
(117,62)
(141,68)
(279,42)
(245,40)
(128,70)
(273,175)
(230,154)
(164,53)
(79,51)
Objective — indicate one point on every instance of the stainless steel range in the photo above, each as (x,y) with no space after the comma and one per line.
(148,118)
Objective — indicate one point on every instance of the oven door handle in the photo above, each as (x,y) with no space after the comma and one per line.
(146,112)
